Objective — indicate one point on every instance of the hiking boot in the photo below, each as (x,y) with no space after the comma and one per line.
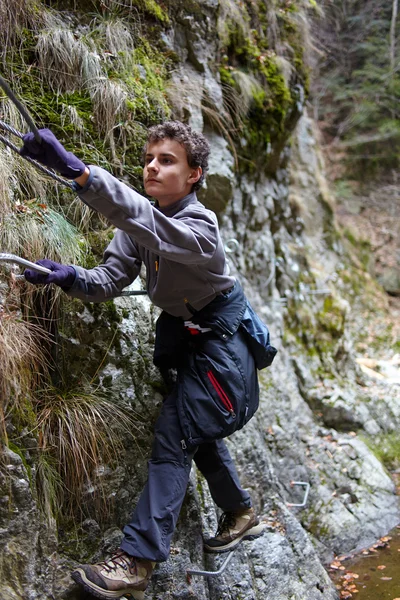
(121,574)
(234,527)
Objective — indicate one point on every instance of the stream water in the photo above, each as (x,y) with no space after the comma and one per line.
(374,574)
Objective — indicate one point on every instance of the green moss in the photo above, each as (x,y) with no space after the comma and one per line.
(147,82)
(360,245)
(225,74)
(332,317)
(264,128)
(386,448)
(21,454)
(98,241)
(22,415)
(155,9)
(106,310)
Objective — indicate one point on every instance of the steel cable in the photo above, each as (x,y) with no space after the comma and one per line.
(40,167)
(21,108)
(11,257)
(6,88)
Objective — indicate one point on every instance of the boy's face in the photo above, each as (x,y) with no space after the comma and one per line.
(167,175)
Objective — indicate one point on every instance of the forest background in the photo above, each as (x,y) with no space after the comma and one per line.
(355,100)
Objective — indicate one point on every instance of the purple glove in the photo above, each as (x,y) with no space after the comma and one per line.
(62,275)
(51,153)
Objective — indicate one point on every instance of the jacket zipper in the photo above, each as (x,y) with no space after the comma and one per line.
(222,395)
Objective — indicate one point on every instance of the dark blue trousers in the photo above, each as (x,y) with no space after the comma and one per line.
(148,535)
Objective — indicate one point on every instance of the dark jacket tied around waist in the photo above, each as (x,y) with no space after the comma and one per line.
(217,370)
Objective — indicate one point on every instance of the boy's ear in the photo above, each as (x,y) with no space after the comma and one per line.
(195,176)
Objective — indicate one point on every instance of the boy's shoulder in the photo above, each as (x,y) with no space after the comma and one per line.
(197,211)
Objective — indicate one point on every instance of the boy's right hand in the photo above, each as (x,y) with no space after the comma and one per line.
(51,153)
(62,275)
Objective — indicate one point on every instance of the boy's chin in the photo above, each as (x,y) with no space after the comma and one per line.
(151,190)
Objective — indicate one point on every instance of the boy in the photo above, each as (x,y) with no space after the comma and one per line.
(206,331)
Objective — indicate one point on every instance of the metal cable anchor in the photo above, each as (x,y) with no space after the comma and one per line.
(231,245)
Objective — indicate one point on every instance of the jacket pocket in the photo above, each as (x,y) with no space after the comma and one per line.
(223,396)
(212,394)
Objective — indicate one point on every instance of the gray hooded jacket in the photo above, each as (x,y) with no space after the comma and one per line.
(180,246)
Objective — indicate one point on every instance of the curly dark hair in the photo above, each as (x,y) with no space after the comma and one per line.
(196,146)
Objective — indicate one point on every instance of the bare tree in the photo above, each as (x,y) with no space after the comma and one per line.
(393,35)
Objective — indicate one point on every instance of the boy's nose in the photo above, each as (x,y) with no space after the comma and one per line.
(152,165)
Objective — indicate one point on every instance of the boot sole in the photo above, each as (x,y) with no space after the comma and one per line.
(79,577)
(251,534)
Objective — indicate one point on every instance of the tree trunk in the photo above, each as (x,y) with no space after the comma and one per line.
(393,36)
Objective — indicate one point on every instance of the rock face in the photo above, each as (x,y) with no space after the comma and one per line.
(283,246)
(28,541)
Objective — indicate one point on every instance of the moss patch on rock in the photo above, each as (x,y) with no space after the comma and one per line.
(262,89)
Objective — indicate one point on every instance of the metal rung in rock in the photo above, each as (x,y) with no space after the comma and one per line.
(252,534)
(212,573)
(304,484)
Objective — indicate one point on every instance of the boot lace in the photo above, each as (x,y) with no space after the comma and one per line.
(120,560)
(226,521)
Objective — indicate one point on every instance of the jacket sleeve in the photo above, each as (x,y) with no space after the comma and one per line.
(121,265)
(191,239)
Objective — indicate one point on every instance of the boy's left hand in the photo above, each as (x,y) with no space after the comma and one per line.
(62,275)
(51,153)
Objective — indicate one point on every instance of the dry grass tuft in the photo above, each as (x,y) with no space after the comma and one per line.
(70,62)
(64,60)
(15,16)
(115,41)
(41,232)
(5,195)
(193,96)
(80,432)
(21,359)
(109,100)
(239,99)
(70,116)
